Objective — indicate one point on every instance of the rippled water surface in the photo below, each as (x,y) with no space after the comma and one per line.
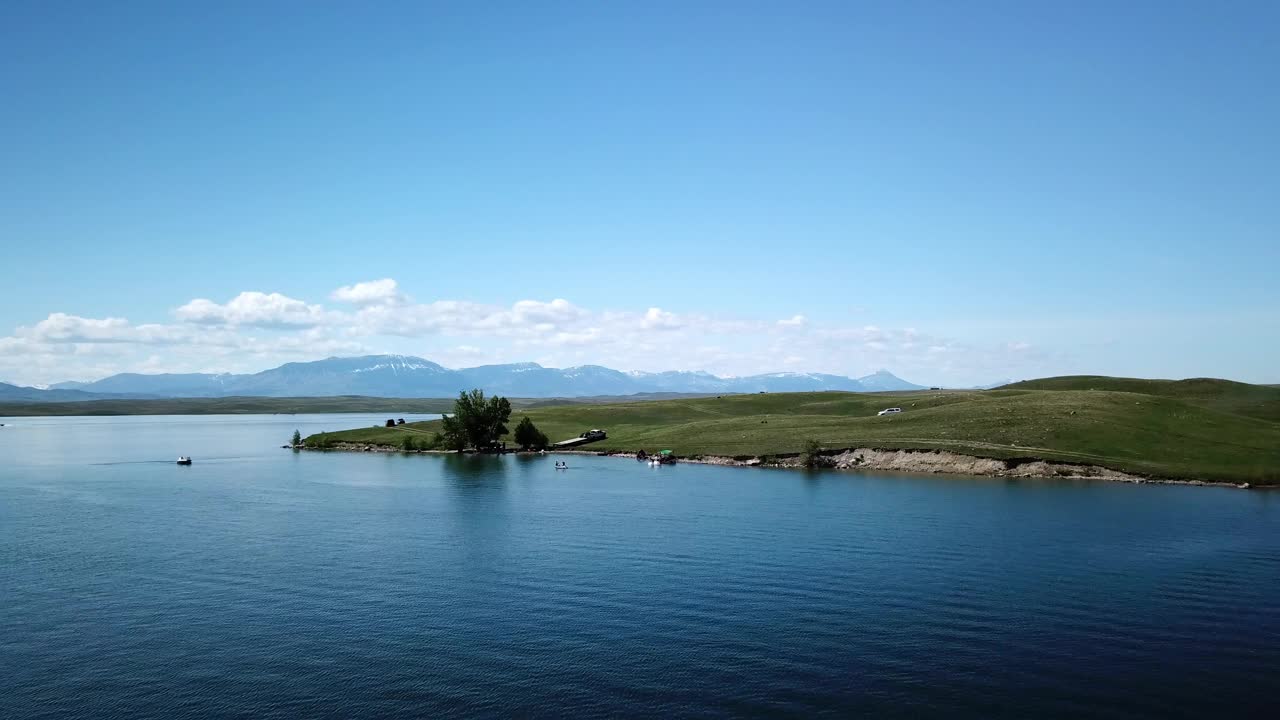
(261,582)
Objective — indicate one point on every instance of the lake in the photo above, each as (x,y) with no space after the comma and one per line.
(267,583)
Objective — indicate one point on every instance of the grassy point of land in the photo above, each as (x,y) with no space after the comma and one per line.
(1195,429)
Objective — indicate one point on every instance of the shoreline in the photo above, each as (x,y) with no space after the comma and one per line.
(928,462)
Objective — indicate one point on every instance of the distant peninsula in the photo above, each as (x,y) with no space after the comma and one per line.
(1199,430)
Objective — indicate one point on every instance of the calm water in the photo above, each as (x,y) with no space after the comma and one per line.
(260,582)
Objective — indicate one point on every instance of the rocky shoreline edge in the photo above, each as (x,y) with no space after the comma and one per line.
(941,462)
(944,462)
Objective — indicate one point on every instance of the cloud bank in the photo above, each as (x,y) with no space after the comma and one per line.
(254,330)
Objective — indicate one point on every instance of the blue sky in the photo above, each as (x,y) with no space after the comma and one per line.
(960,192)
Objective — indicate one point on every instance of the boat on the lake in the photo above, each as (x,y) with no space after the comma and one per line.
(184,460)
(663,457)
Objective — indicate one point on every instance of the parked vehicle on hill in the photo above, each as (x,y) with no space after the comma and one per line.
(889,411)
(586,437)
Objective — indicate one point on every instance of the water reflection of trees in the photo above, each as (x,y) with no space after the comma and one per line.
(527,465)
(478,514)
(475,470)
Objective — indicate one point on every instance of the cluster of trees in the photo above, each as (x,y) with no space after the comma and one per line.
(476,421)
(479,422)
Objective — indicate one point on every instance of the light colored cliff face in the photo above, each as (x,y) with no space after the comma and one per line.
(938,461)
(942,461)
(929,462)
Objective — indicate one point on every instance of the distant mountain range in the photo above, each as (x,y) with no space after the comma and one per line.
(16,393)
(405,376)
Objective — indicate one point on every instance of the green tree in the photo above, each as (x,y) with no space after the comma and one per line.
(812,457)
(297,439)
(407,444)
(529,436)
(476,421)
(454,435)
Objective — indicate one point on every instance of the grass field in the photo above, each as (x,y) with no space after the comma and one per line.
(1195,429)
(1258,401)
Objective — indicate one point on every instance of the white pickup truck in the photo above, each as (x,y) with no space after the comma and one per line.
(890,411)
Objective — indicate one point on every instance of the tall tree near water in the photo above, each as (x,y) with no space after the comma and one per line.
(529,436)
(476,421)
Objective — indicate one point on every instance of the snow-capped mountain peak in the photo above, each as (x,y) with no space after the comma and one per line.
(409,376)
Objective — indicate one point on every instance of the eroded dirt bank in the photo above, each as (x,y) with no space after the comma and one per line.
(943,461)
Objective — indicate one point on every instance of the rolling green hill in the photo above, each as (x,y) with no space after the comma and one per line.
(1209,430)
(1257,401)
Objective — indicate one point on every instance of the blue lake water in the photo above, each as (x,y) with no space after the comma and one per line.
(264,583)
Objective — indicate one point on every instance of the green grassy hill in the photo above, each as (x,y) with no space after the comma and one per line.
(1216,431)
(1257,401)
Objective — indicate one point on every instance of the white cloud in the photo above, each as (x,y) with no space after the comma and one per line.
(589,336)
(455,317)
(61,327)
(374,292)
(557,313)
(659,319)
(255,330)
(64,328)
(18,346)
(253,309)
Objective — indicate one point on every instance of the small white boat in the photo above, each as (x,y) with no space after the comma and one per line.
(184,460)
